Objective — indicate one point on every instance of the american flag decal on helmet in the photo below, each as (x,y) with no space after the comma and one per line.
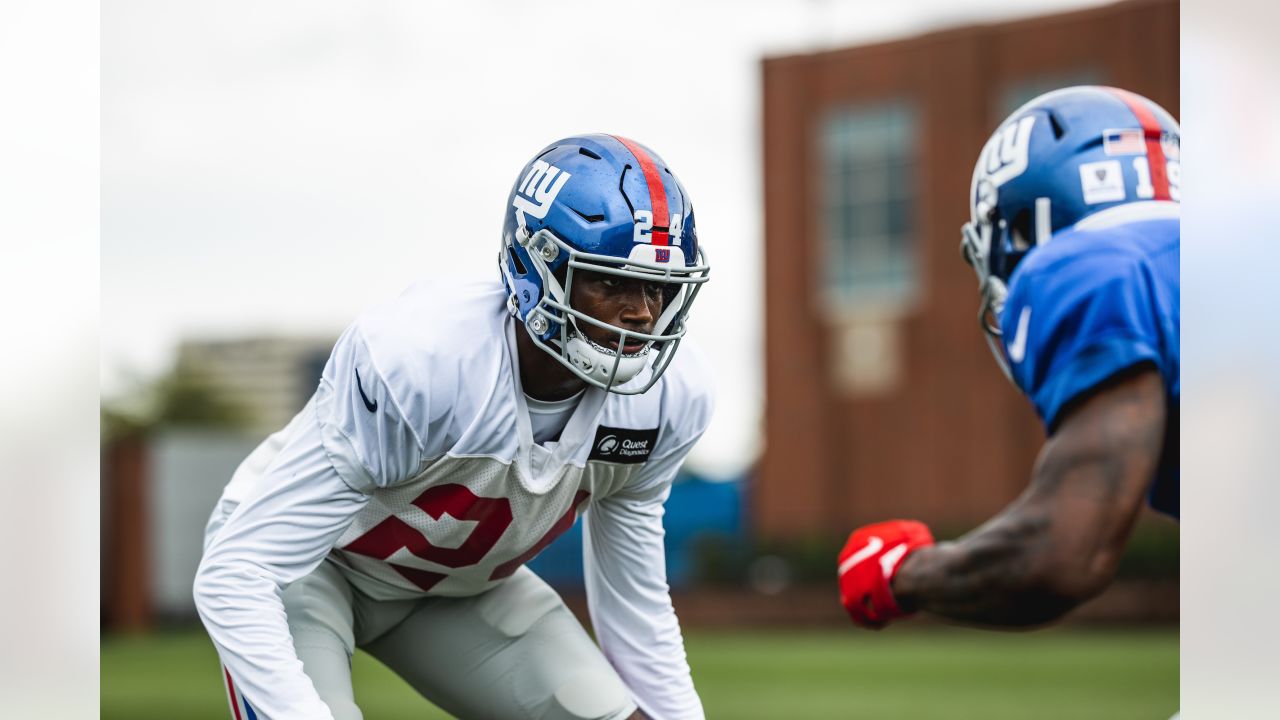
(1123,142)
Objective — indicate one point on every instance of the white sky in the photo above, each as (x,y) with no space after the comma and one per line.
(275,167)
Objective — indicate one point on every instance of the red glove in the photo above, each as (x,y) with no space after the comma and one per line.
(868,563)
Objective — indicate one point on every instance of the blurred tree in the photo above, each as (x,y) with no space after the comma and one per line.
(179,399)
(186,401)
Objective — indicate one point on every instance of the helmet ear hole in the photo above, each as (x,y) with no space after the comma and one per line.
(1056,123)
(1020,230)
(515,259)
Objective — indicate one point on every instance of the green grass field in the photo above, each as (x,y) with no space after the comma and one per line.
(919,673)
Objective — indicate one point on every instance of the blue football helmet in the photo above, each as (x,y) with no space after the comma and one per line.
(610,205)
(1062,157)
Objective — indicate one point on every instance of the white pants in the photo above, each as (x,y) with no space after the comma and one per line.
(513,652)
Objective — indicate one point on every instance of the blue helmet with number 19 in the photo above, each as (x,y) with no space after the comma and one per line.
(1062,157)
(606,204)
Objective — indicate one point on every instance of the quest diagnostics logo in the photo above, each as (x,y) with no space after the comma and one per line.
(623,445)
(608,445)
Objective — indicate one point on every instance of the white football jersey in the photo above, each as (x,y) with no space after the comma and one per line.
(414,467)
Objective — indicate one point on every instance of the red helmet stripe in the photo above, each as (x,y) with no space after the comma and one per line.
(1151,132)
(657,193)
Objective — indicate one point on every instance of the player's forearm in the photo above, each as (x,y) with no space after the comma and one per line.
(647,650)
(631,610)
(1060,542)
(244,617)
(993,576)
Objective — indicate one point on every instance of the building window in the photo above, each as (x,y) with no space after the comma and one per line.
(869,166)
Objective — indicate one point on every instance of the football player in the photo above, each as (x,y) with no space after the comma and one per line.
(1074,237)
(456,432)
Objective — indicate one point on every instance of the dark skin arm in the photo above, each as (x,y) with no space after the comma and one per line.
(1059,543)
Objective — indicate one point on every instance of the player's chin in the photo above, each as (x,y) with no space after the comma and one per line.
(631,349)
(609,342)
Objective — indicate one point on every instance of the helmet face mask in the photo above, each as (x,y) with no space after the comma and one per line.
(587,204)
(1060,158)
(976,249)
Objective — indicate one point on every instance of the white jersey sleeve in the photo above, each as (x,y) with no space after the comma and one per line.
(366,434)
(286,508)
(275,528)
(625,563)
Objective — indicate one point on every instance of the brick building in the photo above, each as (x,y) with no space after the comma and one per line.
(881,398)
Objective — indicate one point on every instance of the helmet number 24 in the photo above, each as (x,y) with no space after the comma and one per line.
(643,232)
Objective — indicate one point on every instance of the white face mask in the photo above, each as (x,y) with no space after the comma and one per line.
(594,363)
(607,367)
(975,247)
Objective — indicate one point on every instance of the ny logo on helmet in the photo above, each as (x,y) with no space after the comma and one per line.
(1005,156)
(538,190)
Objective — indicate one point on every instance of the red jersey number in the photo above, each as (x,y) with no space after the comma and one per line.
(491,515)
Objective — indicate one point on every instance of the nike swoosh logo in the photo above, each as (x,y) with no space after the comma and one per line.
(371,406)
(889,560)
(1018,348)
(873,546)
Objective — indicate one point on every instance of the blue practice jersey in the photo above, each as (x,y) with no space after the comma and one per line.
(1092,303)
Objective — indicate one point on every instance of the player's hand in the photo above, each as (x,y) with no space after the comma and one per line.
(868,563)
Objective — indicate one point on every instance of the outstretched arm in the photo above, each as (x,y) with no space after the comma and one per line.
(630,605)
(1059,543)
(278,534)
